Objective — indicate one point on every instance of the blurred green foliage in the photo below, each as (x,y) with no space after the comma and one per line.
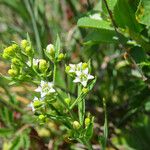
(115,35)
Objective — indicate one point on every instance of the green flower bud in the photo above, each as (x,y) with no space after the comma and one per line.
(61,56)
(13,72)
(67,69)
(76,125)
(67,100)
(87,121)
(37,104)
(43,66)
(8,52)
(15,47)
(85,90)
(84,65)
(50,49)
(16,61)
(41,117)
(28,50)
(24,43)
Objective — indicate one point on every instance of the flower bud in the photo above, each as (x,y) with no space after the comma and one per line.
(87,121)
(50,49)
(16,61)
(37,104)
(13,72)
(84,65)
(8,52)
(28,50)
(67,69)
(76,125)
(43,66)
(67,100)
(61,56)
(24,43)
(41,117)
(15,47)
(85,90)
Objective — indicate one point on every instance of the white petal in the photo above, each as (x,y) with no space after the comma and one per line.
(78,73)
(76,80)
(43,94)
(39,89)
(79,65)
(50,84)
(35,98)
(51,90)
(85,71)
(90,76)
(42,83)
(84,83)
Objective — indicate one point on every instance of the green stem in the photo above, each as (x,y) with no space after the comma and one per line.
(81,107)
(54,72)
(105,134)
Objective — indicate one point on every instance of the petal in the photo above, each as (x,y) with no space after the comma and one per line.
(35,98)
(43,94)
(51,90)
(76,80)
(78,73)
(39,89)
(50,84)
(84,83)
(85,71)
(90,76)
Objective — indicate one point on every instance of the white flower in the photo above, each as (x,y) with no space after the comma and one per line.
(72,68)
(45,88)
(83,77)
(50,48)
(35,62)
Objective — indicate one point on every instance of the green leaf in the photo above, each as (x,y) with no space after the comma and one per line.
(124,15)
(17,143)
(4,132)
(143,12)
(26,141)
(101,35)
(138,54)
(86,22)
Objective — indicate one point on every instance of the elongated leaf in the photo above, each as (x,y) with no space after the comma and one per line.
(57,46)
(17,143)
(5,132)
(86,22)
(124,15)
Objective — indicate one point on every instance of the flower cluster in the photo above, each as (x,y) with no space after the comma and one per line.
(81,73)
(46,91)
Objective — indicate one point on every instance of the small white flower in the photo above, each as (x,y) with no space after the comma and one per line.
(45,88)
(83,78)
(35,62)
(50,48)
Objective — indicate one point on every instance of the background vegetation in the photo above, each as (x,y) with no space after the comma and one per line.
(115,36)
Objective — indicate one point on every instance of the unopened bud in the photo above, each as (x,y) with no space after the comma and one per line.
(15,61)
(50,49)
(76,125)
(67,100)
(67,69)
(84,65)
(12,72)
(15,47)
(43,66)
(24,43)
(85,90)
(61,56)
(28,50)
(41,117)
(37,104)
(87,121)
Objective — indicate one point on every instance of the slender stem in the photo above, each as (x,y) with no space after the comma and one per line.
(81,107)
(105,124)
(54,72)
